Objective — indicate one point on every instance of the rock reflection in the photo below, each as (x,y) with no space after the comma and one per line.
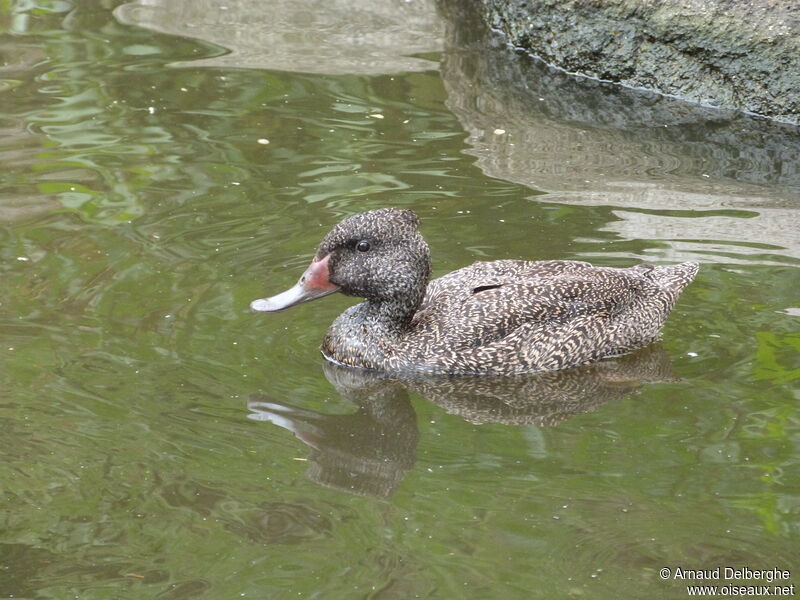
(369,452)
(333,37)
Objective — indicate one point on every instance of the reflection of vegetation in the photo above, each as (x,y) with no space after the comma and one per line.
(774,435)
(775,356)
(129,124)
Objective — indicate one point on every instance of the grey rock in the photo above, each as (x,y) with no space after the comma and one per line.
(742,54)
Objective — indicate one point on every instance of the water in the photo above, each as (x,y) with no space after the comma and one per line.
(159,441)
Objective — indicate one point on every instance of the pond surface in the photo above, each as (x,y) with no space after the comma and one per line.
(164,163)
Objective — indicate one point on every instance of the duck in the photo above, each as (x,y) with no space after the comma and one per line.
(501,317)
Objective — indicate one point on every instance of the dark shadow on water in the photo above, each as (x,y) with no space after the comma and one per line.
(369,451)
(20,565)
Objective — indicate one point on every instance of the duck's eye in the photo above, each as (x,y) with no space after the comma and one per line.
(362,246)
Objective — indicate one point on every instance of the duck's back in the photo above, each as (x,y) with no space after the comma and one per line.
(513,316)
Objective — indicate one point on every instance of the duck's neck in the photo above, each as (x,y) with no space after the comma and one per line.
(388,317)
(391,311)
(368,334)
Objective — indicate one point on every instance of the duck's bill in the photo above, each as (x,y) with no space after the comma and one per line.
(314,283)
(291,297)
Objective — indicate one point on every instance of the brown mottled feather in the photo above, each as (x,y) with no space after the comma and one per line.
(501,317)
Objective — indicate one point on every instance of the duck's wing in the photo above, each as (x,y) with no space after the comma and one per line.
(541,316)
(485,311)
(498,272)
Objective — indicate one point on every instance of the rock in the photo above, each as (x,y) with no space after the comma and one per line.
(742,54)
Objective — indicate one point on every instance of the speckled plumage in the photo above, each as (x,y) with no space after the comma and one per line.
(542,399)
(500,317)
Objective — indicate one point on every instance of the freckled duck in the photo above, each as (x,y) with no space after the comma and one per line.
(499,317)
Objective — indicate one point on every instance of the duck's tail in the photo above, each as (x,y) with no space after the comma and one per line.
(675,277)
(657,300)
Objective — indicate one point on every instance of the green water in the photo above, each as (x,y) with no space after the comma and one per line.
(157,440)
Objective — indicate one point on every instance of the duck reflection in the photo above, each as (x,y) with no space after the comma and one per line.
(369,451)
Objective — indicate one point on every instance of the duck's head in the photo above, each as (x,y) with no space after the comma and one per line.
(378,255)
